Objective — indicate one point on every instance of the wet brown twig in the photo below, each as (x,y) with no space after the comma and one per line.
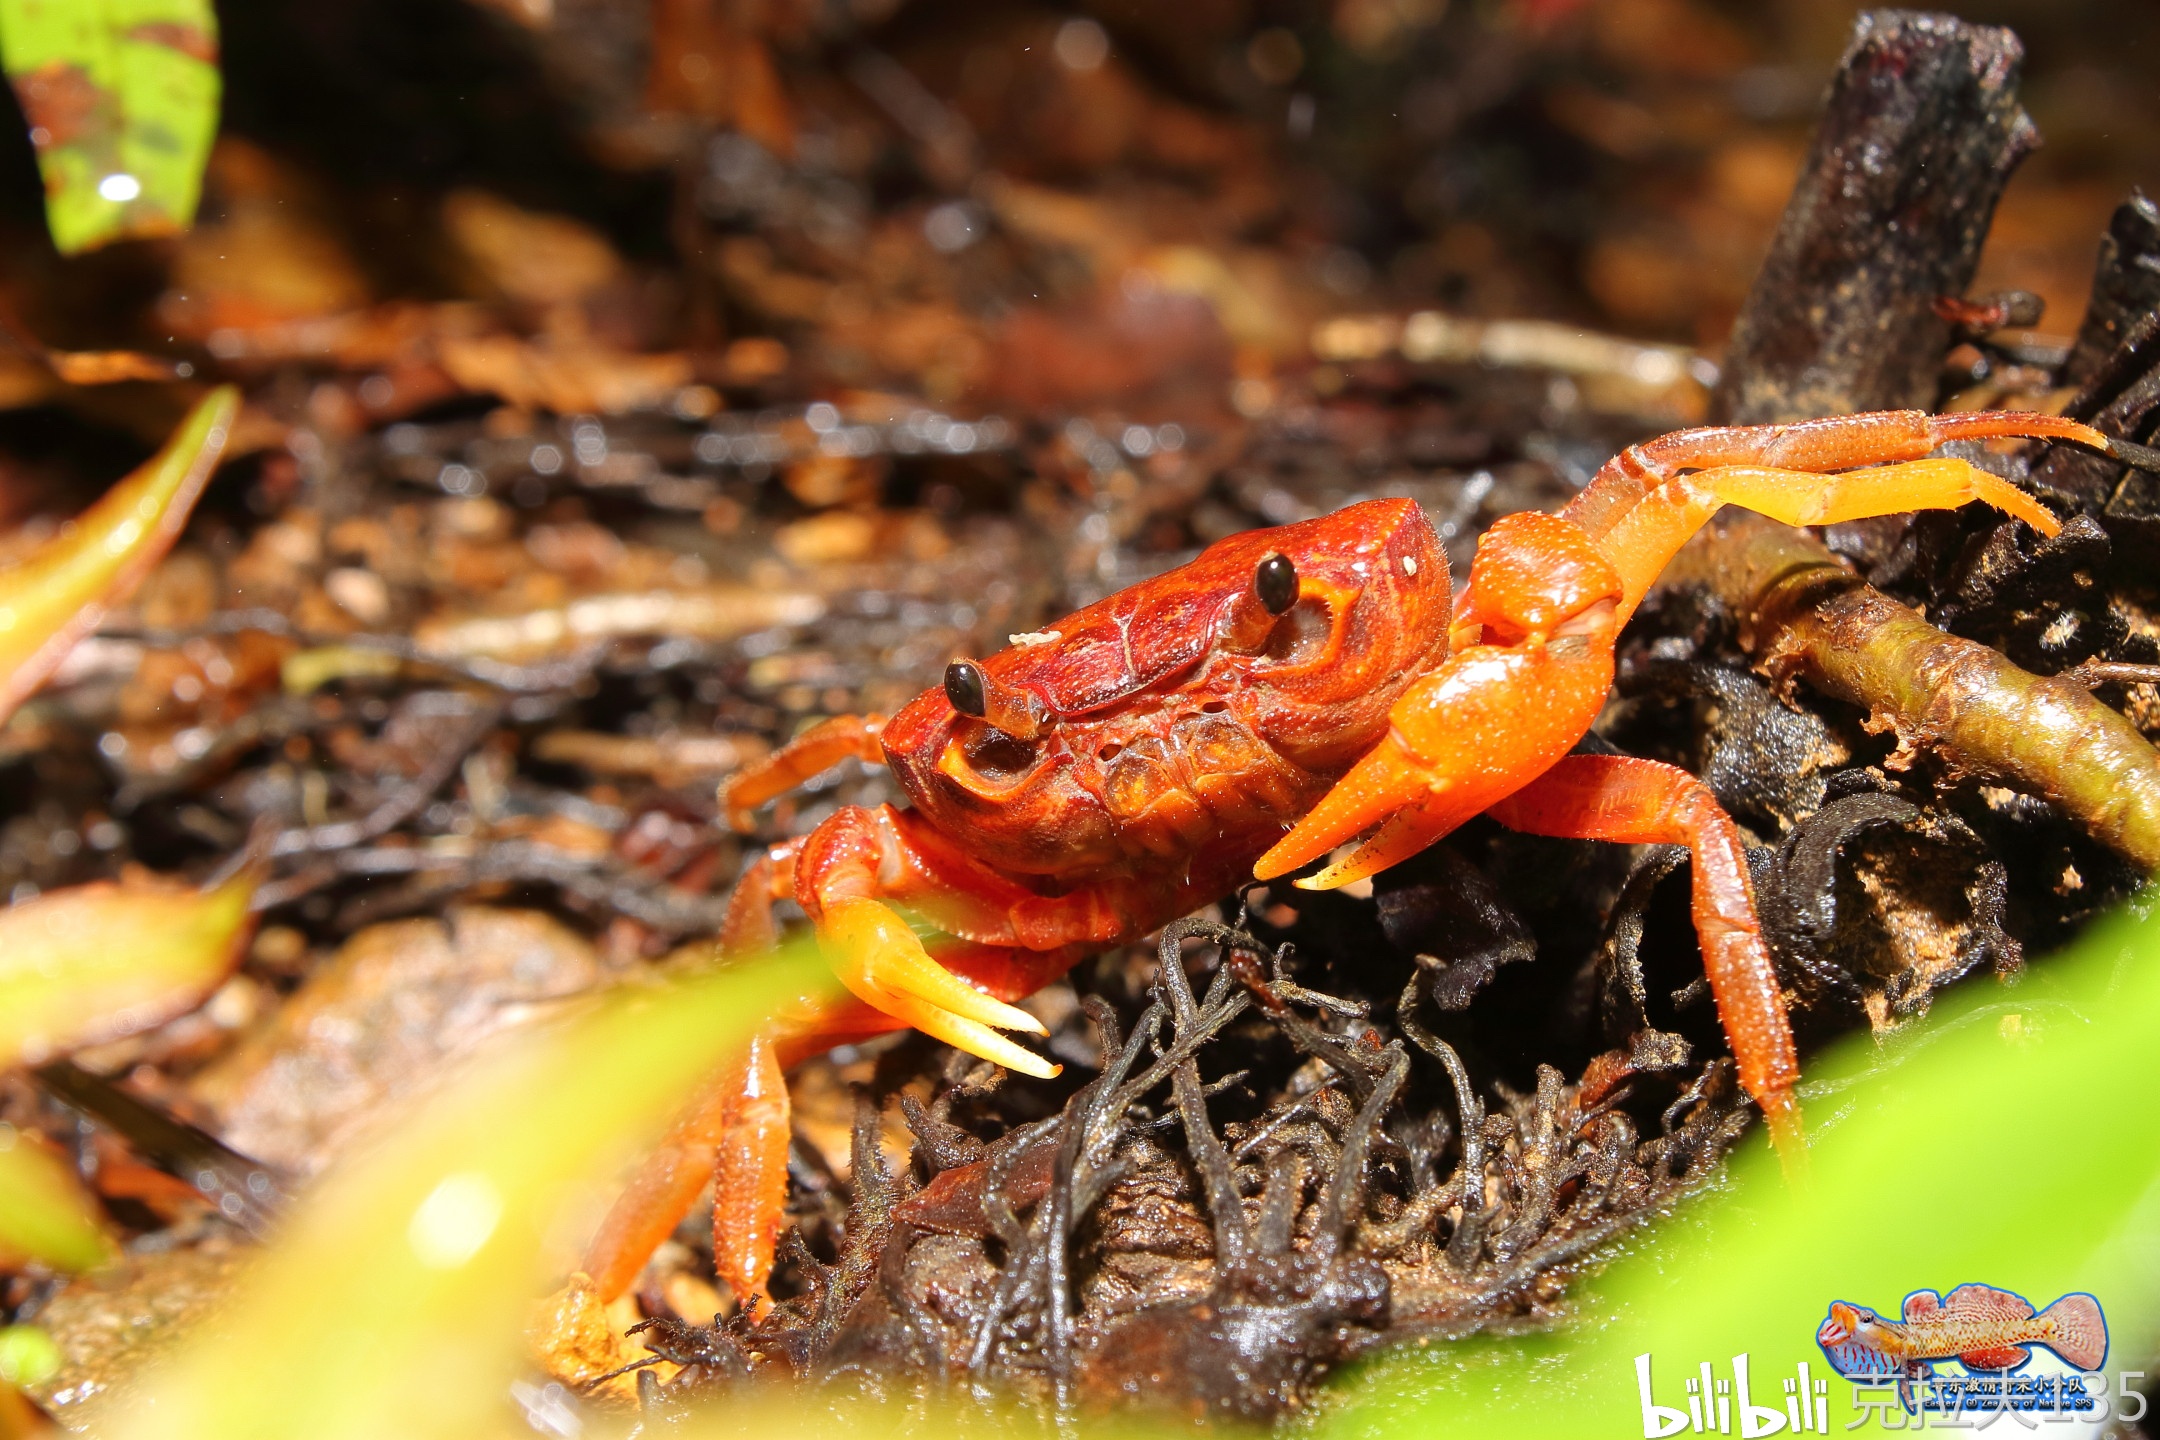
(1922,130)
(1804,615)
(594,879)
(246,1192)
(406,800)
(2126,287)
(541,678)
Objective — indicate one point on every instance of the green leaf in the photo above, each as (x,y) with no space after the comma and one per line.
(60,591)
(91,963)
(392,1302)
(44,1216)
(28,1355)
(122,101)
(2009,1139)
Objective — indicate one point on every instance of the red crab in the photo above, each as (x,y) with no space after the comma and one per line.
(1286,692)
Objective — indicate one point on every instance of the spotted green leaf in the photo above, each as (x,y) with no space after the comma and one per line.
(122,101)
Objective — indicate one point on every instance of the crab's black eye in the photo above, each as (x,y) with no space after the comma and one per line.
(1275,582)
(964,687)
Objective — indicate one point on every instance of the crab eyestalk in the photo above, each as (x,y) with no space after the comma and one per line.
(974,691)
(1274,590)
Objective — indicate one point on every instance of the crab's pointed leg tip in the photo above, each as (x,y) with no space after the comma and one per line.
(2141,457)
(1788,1137)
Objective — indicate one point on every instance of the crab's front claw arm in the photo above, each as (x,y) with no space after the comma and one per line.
(1472,732)
(60,592)
(1490,718)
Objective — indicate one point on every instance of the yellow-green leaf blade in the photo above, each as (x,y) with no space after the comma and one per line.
(93,962)
(57,595)
(393,1303)
(44,1214)
(2009,1141)
(122,100)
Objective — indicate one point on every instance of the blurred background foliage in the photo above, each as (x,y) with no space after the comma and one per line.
(1619,163)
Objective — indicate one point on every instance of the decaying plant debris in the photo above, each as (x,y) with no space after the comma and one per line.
(1119,1286)
(466,674)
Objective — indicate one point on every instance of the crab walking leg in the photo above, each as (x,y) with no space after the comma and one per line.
(1643,802)
(735,1134)
(748,927)
(737,1126)
(731,1121)
(750,1171)
(1840,442)
(808,755)
(750,1151)
(1641,543)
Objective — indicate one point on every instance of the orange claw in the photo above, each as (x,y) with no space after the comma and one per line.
(878,957)
(60,593)
(1437,766)
(1487,718)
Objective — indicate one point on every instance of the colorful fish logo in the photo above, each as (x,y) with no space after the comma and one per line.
(1979,1326)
